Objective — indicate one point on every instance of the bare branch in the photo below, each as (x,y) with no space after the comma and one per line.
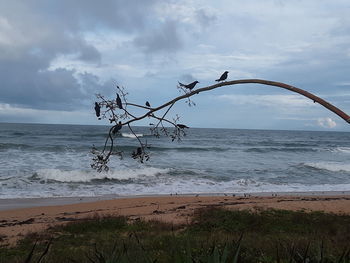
(101,158)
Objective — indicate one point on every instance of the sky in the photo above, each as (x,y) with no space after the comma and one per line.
(56,55)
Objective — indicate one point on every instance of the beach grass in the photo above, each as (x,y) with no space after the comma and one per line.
(214,235)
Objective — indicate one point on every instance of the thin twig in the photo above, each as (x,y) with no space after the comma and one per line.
(102,159)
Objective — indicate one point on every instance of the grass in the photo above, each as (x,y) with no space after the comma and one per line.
(215,235)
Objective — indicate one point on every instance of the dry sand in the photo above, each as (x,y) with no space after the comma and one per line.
(16,223)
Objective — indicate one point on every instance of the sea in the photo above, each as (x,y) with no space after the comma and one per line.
(41,160)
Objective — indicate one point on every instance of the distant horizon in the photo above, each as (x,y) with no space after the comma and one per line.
(145,126)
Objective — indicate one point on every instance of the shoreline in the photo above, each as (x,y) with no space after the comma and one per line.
(7,204)
(176,209)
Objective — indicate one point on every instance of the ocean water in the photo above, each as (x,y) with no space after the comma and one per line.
(54,160)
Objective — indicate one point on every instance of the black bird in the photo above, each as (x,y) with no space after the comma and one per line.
(147,104)
(189,86)
(182,126)
(119,102)
(97,109)
(117,127)
(223,76)
(138,153)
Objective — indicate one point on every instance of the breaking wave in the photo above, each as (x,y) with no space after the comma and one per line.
(330,166)
(130,135)
(76,176)
(280,149)
(342,149)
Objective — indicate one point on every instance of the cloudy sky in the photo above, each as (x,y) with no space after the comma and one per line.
(56,55)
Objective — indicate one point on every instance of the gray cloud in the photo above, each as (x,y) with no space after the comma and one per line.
(26,80)
(115,14)
(33,34)
(81,15)
(46,46)
(187,78)
(24,85)
(165,38)
(204,18)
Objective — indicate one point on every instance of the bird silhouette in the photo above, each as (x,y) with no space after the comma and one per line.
(117,127)
(119,102)
(223,76)
(189,86)
(137,153)
(147,104)
(97,109)
(182,126)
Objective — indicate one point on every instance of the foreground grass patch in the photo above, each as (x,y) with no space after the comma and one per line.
(216,235)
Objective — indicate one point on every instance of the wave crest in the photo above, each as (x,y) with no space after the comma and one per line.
(279,149)
(342,149)
(330,166)
(131,135)
(78,176)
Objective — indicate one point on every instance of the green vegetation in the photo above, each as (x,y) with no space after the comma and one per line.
(216,235)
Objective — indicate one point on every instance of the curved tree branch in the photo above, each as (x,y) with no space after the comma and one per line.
(313,97)
(101,158)
(305,93)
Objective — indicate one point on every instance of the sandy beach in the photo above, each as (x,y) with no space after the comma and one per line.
(16,222)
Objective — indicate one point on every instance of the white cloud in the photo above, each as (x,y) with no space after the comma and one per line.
(5,29)
(10,113)
(268,100)
(326,122)
(344,83)
(194,16)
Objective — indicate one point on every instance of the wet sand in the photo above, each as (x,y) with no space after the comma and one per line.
(19,217)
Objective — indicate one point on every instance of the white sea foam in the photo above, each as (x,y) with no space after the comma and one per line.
(245,182)
(343,149)
(330,166)
(130,135)
(88,176)
(172,186)
(152,185)
(236,170)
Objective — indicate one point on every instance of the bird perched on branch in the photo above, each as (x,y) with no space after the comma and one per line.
(97,109)
(119,102)
(137,153)
(189,86)
(223,76)
(182,126)
(147,104)
(117,127)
